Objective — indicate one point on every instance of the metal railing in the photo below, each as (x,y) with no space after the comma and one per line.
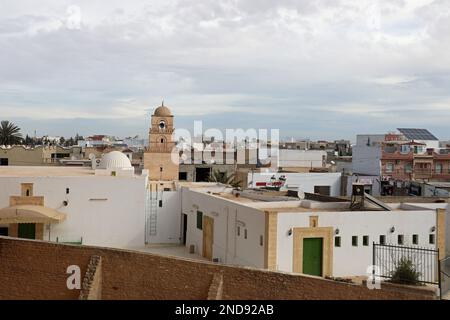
(423,261)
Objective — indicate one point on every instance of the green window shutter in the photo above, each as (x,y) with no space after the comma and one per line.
(200,220)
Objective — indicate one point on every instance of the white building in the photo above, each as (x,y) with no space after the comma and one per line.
(104,206)
(323,183)
(301,158)
(274,232)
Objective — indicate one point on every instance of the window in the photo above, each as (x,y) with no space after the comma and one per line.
(400,239)
(113,173)
(382,239)
(160,203)
(200,220)
(239,231)
(355,241)
(322,190)
(438,168)
(67,190)
(405,148)
(261,241)
(245,233)
(365,241)
(389,167)
(3,231)
(408,168)
(337,241)
(431,239)
(4,161)
(415,239)
(182,176)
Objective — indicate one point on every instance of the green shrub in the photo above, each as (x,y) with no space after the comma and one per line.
(405,273)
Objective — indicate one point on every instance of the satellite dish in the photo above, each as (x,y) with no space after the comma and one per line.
(300,193)
(332,162)
(91,156)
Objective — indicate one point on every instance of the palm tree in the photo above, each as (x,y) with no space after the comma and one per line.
(224,178)
(9,133)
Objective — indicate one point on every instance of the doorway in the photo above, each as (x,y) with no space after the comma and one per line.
(184,228)
(208,235)
(27,231)
(312,256)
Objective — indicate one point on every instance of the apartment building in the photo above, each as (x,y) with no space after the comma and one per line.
(396,159)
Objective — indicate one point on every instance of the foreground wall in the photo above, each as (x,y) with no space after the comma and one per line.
(32,269)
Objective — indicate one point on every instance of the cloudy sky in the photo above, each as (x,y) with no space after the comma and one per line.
(314,69)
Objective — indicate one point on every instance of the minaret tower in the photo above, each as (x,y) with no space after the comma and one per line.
(158,156)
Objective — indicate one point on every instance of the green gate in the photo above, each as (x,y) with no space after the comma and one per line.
(27,230)
(312,256)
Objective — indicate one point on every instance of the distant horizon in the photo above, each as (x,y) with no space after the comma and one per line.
(68,128)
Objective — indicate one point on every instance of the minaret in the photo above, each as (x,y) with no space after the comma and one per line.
(158,157)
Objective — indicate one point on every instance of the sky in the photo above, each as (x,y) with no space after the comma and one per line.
(323,69)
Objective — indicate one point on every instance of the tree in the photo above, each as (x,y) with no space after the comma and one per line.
(9,133)
(224,178)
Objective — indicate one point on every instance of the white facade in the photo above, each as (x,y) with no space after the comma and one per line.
(302,158)
(102,210)
(366,154)
(304,181)
(349,260)
(168,222)
(228,215)
(248,215)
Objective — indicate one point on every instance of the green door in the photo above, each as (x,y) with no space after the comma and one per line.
(312,256)
(27,230)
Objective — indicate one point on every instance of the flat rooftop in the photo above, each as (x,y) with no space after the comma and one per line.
(279,201)
(44,171)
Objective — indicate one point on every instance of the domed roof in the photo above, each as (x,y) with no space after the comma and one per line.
(115,160)
(162,111)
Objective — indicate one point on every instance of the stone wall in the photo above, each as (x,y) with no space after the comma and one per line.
(31,269)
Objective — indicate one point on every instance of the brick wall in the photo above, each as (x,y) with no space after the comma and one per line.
(31,269)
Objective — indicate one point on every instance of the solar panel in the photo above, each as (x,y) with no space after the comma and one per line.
(417,134)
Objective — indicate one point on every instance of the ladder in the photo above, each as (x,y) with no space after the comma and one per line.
(151,203)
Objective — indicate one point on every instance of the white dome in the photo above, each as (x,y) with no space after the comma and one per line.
(115,160)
